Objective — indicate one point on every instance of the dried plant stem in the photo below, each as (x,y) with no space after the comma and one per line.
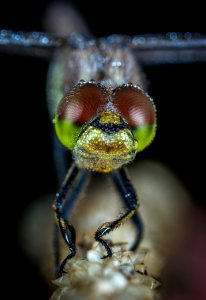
(123,276)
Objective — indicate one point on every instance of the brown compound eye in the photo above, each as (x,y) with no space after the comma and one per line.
(82,103)
(138,110)
(134,105)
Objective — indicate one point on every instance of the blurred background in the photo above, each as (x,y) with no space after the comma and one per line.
(178,92)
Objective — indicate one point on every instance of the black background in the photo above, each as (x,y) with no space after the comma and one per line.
(26,130)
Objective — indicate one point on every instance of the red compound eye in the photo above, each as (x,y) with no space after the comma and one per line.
(134,105)
(82,103)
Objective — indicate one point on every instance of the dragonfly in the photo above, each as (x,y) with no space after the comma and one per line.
(101,112)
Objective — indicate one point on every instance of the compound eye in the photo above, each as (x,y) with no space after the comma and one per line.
(82,103)
(138,110)
(134,105)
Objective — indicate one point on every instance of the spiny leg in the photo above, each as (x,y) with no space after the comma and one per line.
(74,180)
(66,210)
(65,228)
(128,193)
(60,162)
(121,182)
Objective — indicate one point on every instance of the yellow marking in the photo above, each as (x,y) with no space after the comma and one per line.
(96,141)
(123,220)
(120,222)
(110,117)
(57,219)
(103,152)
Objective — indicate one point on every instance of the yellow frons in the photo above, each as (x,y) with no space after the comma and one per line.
(110,117)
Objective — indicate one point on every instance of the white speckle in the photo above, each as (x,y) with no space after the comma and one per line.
(44,40)
(116,281)
(116,262)
(93,256)
(116,63)
(104,287)
(17,37)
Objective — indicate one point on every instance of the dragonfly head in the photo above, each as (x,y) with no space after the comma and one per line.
(105,144)
(105,127)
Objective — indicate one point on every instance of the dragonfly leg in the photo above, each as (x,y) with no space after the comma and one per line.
(122,182)
(63,204)
(128,194)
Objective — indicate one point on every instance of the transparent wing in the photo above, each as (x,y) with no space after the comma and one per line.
(29,43)
(148,49)
(163,49)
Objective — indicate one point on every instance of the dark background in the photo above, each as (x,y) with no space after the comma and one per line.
(26,130)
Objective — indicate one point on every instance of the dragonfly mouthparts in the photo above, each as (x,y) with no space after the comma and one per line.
(105,147)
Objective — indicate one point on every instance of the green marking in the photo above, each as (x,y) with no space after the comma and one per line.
(66,131)
(144,135)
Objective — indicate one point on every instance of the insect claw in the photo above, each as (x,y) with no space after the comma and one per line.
(106,256)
